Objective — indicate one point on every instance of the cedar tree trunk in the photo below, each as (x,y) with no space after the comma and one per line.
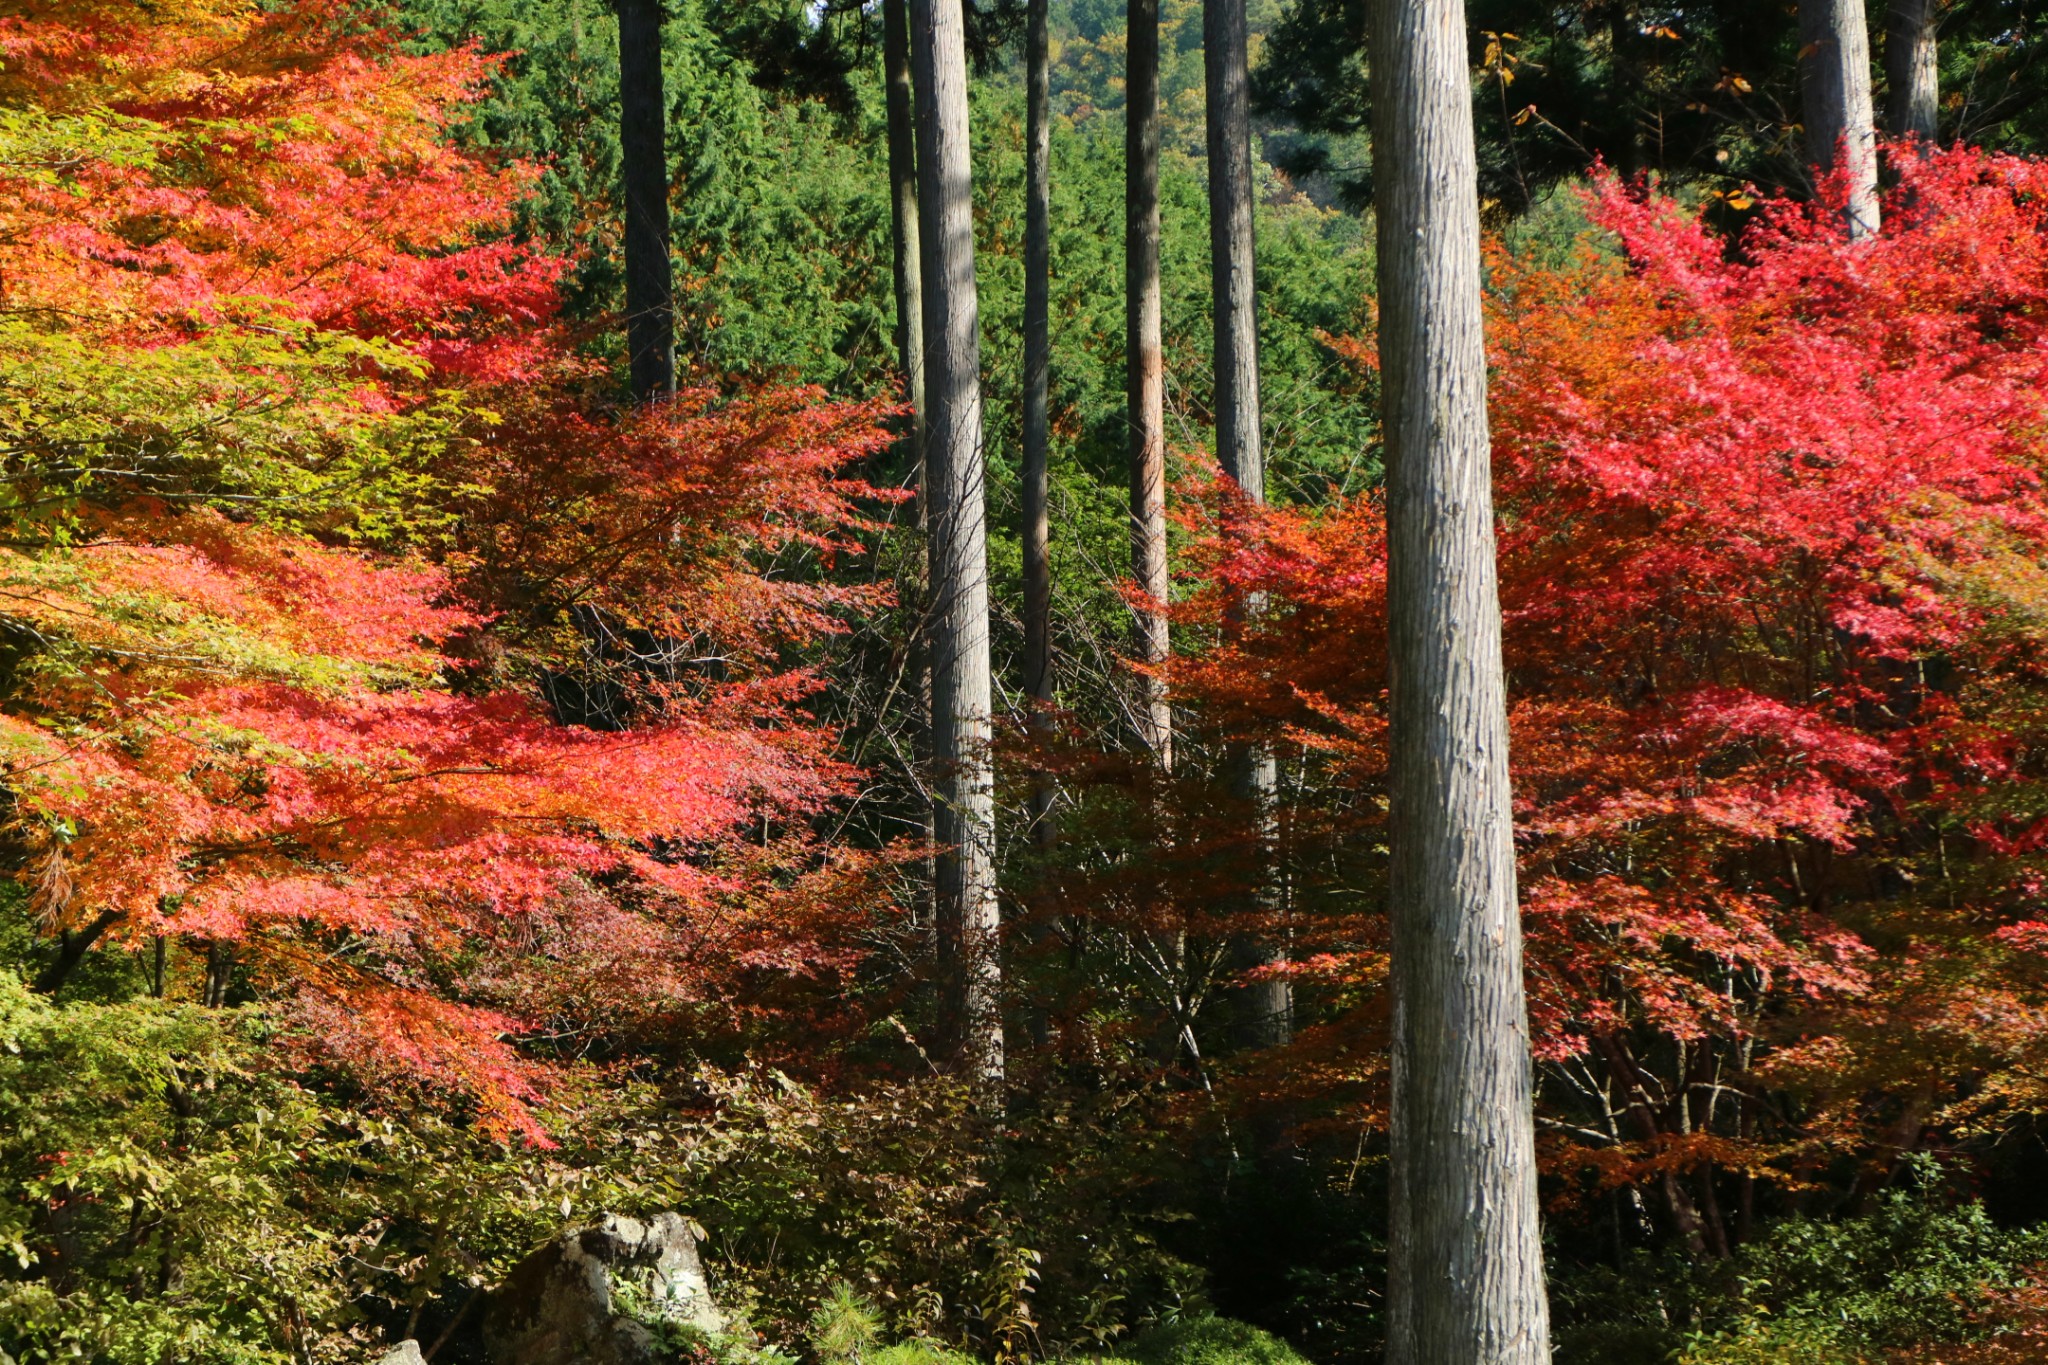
(1037,367)
(903,208)
(1144,365)
(1834,78)
(643,167)
(1911,78)
(1465,1260)
(968,927)
(1269,1005)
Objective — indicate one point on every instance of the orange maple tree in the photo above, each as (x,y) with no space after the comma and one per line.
(316,505)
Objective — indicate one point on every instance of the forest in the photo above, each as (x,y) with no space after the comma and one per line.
(971,682)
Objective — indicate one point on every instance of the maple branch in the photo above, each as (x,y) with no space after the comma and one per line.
(72,946)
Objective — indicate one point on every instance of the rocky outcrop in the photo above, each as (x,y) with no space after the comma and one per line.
(599,1295)
(404,1353)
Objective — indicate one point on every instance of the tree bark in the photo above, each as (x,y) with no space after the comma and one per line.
(1037,379)
(1231,247)
(643,166)
(1841,130)
(1912,79)
(1144,364)
(903,205)
(1269,1004)
(72,946)
(968,927)
(901,108)
(1465,1262)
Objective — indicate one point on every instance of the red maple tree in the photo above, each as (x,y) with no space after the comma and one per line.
(1771,535)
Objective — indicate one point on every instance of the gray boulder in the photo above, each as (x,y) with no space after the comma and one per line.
(406,1352)
(589,1296)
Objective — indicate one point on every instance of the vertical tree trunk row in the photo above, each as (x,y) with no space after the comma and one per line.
(968,928)
(1037,378)
(1145,368)
(643,158)
(1233,280)
(1841,128)
(1911,77)
(1465,1261)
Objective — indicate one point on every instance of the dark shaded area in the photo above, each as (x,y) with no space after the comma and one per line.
(1706,94)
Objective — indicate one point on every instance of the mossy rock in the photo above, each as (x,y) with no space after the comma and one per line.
(1211,1341)
(916,1353)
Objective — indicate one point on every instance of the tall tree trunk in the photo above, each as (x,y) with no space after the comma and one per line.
(903,206)
(1231,263)
(1834,77)
(1912,80)
(968,927)
(1233,279)
(1624,35)
(1144,365)
(643,165)
(1037,374)
(1465,1261)
(901,105)
(1268,1003)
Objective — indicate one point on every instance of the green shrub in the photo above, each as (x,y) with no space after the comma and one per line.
(1770,1343)
(918,1352)
(1915,1272)
(845,1327)
(206,1205)
(944,1229)
(1910,1273)
(1211,1341)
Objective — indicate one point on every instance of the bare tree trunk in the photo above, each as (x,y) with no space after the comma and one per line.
(968,926)
(903,207)
(1465,1260)
(1912,79)
(1233,278)
(1841,129)
(643,166)
(1144,365)
(1037,376)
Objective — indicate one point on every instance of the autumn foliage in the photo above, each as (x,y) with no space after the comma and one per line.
(319,517)
(367,661)
(1772,522)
